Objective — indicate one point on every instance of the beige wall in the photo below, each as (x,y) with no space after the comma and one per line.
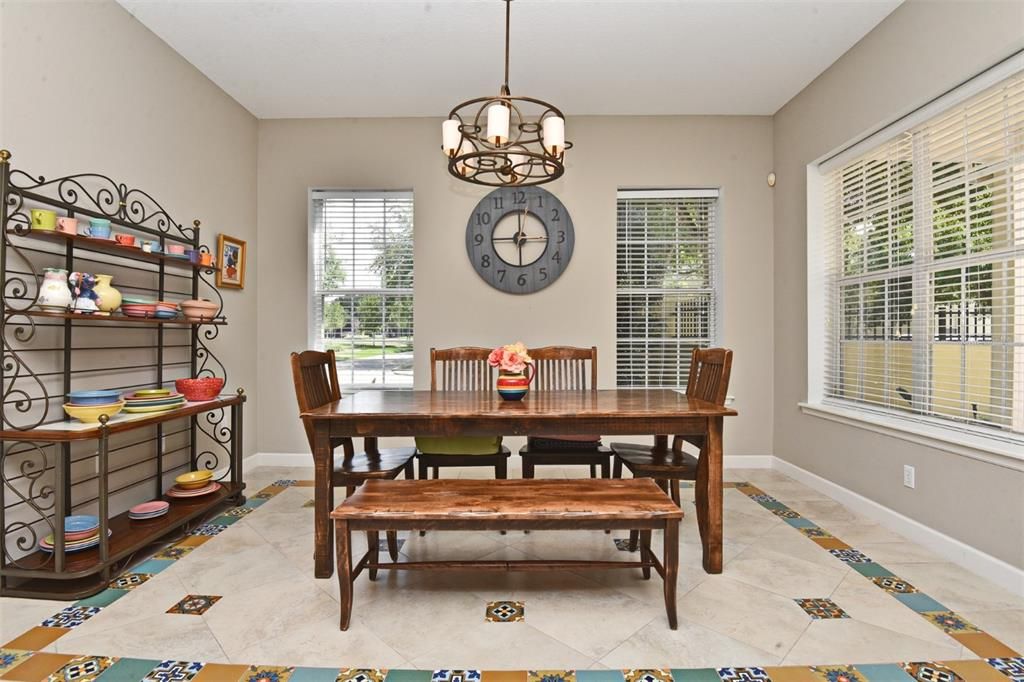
(86,88)
(921,50)
(454,306)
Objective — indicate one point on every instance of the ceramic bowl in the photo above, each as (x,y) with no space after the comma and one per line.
(93,397)
(194,479)
(198,309)
(195,390)
(90,414)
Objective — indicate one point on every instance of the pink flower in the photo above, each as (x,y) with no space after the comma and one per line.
(511,358)
(494,359)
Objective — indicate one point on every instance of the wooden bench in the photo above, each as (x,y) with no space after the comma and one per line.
(574,504)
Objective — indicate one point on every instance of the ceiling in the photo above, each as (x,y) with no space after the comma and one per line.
(300,58)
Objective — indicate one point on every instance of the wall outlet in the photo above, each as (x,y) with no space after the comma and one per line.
(908,476)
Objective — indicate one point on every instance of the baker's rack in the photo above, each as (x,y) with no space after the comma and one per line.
(51,467)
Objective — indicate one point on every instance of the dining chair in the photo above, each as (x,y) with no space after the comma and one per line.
(315,375)
(708,380)
(461,369)
(565,368)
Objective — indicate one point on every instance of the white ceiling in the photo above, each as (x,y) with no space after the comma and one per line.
(302,58)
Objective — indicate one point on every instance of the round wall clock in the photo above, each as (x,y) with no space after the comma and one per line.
(520,239)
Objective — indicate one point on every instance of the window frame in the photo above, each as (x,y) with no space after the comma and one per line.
(978,442)
(312,340)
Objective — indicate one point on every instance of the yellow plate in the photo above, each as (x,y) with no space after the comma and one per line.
(153,392)
(194,479)
(90,414)
(154,408)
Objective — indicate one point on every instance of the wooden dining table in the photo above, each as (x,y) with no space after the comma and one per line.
(375,414)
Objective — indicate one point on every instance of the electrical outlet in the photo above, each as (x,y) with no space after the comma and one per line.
(908,476)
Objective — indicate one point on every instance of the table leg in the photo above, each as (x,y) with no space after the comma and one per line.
(323,499)
(708,496)
(671,570)
(344,571)
(373,547)
(645,552)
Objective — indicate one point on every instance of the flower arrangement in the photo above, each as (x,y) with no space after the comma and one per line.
(512,358)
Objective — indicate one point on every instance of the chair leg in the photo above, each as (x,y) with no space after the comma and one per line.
(634,540)
(527,468)
(410,470)
(373,545)
(676,496)
(393,544)
(437,472)
(423,469)
(605,469)
(501,473)
(593,471)
(617,469)
(645,552)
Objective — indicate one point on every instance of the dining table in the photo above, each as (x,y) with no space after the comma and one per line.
(374,414)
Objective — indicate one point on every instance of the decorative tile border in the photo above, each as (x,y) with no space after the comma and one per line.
(194,604)
(505,612)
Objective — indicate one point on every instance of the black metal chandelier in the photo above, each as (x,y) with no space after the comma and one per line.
(505,141)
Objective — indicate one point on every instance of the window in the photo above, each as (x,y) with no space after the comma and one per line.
(924,269)
(362,284)
(665,284)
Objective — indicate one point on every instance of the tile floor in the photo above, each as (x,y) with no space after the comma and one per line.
(806,583)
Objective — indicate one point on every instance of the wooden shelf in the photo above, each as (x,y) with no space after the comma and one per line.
(111,247)
(108,319)
(82,573)
(62,435)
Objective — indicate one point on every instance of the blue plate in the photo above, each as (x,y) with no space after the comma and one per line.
(80,523)
(93,397)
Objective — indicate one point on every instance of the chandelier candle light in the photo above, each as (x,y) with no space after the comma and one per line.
(505,141)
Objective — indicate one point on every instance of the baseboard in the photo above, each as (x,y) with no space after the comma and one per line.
(998,571)
(302,459)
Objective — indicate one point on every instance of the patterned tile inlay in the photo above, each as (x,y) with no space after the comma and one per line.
(622,544)
(743,675)
(837,673)
(505,612)
(82,669)
(382,544)
(194,604)
(173,671)
(1011,667)
(239,511)
(209,529)
(284,482)
(850,556)
(551,676)
(455,676)
(308,504)
(361,675)
(894,585)
(949,621)
(174,552)
(70,617)
(931,672)
(12,657)
(128,581)
(267,673)
(652,675)
(820,609)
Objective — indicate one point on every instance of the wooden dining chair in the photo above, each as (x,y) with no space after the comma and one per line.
(461,369)
(565,368)
(708,380)
(315,375)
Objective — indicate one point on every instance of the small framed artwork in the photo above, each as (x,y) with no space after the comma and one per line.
(230,262)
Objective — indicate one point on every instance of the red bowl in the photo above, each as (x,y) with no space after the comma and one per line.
(195,390)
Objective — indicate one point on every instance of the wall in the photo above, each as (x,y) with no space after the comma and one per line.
(921,50)
(453,306)
(86,88)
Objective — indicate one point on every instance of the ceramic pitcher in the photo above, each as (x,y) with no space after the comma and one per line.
(109,297)
(54,293)
(514,385)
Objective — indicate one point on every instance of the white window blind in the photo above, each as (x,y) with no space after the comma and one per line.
(924,264)
(362,301)
(665,284)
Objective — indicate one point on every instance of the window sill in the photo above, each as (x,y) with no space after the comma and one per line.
(979,447)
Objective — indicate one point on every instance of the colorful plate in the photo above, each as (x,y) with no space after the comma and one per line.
(72,546)
(80,522)
(94,397)
(178,492)
(150,507)
(153,408)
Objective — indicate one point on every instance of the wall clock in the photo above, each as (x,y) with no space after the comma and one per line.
(520,239)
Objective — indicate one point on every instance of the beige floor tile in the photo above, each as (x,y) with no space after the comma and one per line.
(956,587)
(453,545)
(741,611)
(902,552)
(862,533)
(790,492)
(787,540)
(786,575)
(692,645)
(19,615)
(507,646)
(167,636)
(1006,626)
(224,572)
(149,600)
(828,513)
(847,639)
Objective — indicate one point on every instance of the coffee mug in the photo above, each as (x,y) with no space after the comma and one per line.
(124,239)
(177,249)
(193,256)
(206,258)
(151,247)
(67,225)
(98,228)
(43,219)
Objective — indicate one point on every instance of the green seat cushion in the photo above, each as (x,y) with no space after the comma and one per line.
(458,445)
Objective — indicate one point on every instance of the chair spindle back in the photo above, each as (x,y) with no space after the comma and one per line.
(315,375)
(709,374)
(564,368)
(460,369)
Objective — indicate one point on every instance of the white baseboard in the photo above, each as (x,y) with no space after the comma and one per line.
(998,571)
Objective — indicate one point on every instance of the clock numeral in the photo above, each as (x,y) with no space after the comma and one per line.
(501,275)
(540,201)
(478,239)
(519,196)
(557,257)
(483,218)
(543,273)
(521,281)
(561,236)
(498,202)
(485,261)
(555,217)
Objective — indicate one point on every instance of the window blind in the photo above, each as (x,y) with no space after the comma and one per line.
(666,302)
(362,280)
(924,261)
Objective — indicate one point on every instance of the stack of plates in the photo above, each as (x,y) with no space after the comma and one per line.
(80,532)
(166,310)
(152,400)
(194,484)
(148,510)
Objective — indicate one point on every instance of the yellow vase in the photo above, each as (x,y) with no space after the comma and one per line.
(109,297)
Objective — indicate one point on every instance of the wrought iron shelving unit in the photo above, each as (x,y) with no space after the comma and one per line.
(50,469)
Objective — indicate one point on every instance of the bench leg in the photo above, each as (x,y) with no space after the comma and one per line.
(671,570)
(634,540)
(645,552)
(344,557)
(393,544)
(373,547)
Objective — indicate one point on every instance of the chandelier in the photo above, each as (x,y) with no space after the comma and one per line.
(505,141)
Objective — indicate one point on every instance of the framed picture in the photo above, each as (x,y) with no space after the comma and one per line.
(230,262)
